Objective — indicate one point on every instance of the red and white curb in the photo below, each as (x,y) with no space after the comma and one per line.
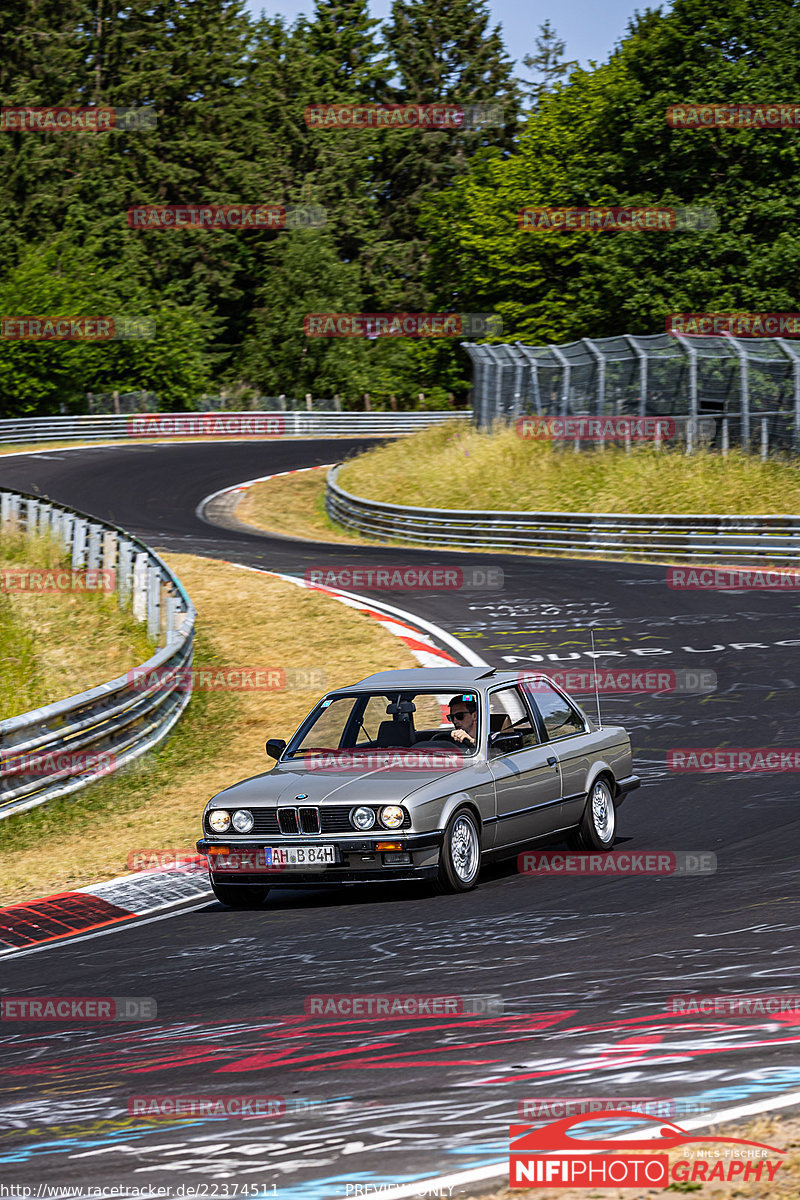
(101,907)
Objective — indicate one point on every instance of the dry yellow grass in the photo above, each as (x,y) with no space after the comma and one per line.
(450,466)
(294,505)
(244,619)
(44,635)
(781,1132)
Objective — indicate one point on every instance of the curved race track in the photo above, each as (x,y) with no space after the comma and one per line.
(583,965)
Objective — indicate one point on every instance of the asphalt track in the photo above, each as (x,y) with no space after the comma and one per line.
(584,966)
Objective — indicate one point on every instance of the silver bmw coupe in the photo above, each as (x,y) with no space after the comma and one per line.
(419,774)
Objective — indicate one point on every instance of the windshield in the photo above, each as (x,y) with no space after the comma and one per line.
(396,722)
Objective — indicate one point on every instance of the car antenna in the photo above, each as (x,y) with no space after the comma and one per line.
(596,689)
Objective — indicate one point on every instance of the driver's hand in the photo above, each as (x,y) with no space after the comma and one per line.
(461,735)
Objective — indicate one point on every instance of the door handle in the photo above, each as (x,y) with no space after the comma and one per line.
(552,761)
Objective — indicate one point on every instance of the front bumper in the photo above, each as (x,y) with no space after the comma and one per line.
(358,860)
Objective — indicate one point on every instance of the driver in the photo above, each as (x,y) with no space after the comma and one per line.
(464,715)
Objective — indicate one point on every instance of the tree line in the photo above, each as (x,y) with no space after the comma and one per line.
(414,221)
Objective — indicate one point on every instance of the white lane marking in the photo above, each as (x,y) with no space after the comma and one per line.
(500,1170)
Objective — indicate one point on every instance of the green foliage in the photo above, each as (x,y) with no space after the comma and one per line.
(416,221)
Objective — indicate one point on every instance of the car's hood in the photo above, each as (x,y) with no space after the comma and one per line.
(285,784)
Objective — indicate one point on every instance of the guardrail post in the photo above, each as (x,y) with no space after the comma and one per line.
(140,586)
(171,632)
(45,511)
(153,601)
(31,517)
(93,552)
(6,508)
(124,572)
(79,542)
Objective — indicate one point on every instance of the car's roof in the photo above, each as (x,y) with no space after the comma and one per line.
(440,679)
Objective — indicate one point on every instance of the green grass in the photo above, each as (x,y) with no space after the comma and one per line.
(449,466)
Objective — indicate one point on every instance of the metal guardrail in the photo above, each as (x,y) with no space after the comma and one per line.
(142,426)
(608,535)
(57,749)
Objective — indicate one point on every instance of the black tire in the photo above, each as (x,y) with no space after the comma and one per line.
(460,855)
(240,896)
(598,827)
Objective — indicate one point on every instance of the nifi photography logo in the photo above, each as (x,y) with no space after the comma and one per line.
(550,1155)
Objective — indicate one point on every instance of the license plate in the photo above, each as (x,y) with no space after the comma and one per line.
(299,856)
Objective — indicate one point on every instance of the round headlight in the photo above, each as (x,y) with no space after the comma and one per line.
(219,820)
(392,816)
(242,820)
(362,818)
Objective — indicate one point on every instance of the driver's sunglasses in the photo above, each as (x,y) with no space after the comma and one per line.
(459,716)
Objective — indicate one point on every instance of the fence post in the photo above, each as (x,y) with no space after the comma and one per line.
(764,439)
(725,437)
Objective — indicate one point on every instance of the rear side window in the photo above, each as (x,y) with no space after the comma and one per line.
(560,718)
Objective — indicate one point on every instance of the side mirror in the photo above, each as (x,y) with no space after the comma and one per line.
(504,743)
(275,747)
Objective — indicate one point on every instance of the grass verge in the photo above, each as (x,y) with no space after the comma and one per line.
(781,1132)
(244,619)
(450,466)
(44,635)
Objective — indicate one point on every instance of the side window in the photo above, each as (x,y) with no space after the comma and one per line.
(508,713)
(560,718)
(374,713)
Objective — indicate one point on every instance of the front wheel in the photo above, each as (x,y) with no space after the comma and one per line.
(460,856)
(598,827)
(247,896)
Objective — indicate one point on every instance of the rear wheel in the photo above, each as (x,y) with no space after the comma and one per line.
(243,896)
(460,856)
(598,827)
